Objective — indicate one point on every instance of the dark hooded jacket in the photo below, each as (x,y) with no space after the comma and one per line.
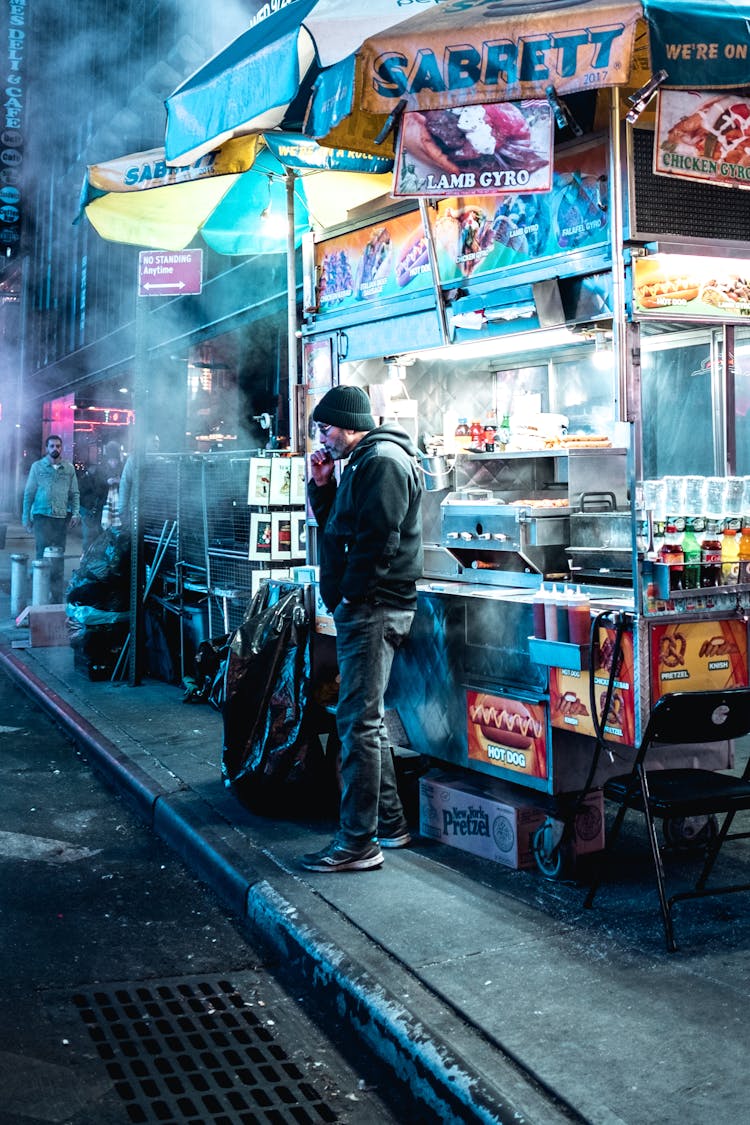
(371,523)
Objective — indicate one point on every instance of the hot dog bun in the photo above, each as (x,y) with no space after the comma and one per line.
(659,287)
(507,722)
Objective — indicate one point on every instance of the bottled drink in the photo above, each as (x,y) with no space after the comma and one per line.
(691,549)
(490,432)
(730,557)
(462,436)
(744,554)
(711,555)
(503,434)
(476,433)
(672,555)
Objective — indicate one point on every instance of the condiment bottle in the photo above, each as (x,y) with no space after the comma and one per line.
(563,625)
(537,612)
(744,553)
(711,555)
(730,557)
(550,615)
(579,618)
(462,436)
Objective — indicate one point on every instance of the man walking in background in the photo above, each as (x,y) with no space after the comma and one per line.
(51,499)
(370,558)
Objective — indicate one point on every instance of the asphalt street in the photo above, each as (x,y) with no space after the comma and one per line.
(128,993)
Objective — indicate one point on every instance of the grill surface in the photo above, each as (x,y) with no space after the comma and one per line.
(197,1052)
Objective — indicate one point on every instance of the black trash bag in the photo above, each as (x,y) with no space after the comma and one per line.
(206,685)
(103,578)
(272,755)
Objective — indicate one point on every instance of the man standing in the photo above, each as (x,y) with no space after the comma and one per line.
(51,498)
(370,558)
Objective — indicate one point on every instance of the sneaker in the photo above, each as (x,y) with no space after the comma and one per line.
(394,837)
(337,858)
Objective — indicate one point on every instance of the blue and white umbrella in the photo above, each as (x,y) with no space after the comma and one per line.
(262,80)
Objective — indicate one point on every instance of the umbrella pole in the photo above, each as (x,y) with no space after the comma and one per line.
(292,328)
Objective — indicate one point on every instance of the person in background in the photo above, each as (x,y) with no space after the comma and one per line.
(111,470)
(126,480)
(92,484)
(370,558)
(51,500)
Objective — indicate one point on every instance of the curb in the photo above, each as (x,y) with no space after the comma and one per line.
(360,985)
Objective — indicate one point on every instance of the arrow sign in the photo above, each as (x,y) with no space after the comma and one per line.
(162,272)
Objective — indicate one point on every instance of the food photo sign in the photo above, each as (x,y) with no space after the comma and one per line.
(703,136)
(692,286)
(473,234)
(507,733)
(482,149)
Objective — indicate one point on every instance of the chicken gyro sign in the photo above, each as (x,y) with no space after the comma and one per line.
(482,149)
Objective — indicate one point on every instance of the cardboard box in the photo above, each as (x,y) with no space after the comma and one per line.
(48,626)
(489,821)
(474,820)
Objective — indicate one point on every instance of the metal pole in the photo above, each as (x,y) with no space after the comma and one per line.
(432,256)
(292,327)
(137,568)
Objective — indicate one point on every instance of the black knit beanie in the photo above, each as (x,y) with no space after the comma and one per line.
(346,407)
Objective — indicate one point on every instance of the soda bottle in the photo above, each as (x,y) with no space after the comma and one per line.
(744,554)
(730,557)
(691,549)
(672,555)
(503,434)
(711,555)
(476,433)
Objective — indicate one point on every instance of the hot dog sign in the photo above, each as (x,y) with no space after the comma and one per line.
(507,733)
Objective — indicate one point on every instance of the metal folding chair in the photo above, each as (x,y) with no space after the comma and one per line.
(681,719)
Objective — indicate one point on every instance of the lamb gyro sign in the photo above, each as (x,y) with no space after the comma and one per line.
(481,149)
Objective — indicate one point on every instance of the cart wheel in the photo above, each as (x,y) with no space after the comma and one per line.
(554,857)
(690,831)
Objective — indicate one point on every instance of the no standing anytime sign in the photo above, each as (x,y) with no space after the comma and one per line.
(163,273)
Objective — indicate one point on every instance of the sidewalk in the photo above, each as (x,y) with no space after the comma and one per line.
(491,992)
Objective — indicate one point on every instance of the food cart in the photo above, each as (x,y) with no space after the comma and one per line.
(595,335)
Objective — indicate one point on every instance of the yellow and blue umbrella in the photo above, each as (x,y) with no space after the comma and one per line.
(229,195)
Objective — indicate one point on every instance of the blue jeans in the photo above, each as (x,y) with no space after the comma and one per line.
(367,637)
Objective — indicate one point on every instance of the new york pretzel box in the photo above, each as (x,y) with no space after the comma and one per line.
(477,821)
(48,626)
(495,822)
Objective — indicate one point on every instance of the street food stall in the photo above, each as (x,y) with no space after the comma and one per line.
(574,366)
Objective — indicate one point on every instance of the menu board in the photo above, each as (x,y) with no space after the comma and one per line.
(473,235)
(698,656)
(689,285)
(507,733)
(373,263)
(570,707)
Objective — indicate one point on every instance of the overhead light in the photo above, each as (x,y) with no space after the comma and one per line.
(123,390)
(517,344)
(640,99)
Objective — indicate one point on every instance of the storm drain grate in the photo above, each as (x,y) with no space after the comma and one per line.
(196,1053)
